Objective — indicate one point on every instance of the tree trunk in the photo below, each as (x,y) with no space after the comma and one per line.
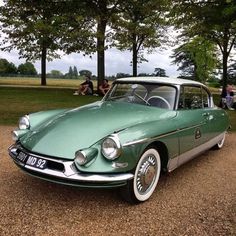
(135,55)
(135,59)
(43,66)
(101,29)
(225,55)
(225,72)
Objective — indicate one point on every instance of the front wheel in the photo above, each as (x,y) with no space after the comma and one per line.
(146,177)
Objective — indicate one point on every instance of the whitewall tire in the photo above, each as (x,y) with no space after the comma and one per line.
(220,144)
(146,176)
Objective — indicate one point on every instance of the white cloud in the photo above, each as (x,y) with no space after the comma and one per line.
(115,62)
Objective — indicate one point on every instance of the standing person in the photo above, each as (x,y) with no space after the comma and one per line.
(104,87)
(228,97)
(86,88)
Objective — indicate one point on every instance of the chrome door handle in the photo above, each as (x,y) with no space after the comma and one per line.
(205,114)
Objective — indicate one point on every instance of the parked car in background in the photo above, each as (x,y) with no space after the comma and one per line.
(141,127)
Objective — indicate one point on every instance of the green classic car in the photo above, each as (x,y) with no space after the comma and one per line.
(141,127)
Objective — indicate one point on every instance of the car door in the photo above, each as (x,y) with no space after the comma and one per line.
(194,117)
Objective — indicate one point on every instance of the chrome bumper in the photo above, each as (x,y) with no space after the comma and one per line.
(68,172)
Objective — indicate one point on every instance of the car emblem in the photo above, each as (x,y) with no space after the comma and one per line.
(198,133)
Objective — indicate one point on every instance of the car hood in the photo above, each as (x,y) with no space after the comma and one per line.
(79,128)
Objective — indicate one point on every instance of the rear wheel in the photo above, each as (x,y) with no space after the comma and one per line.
(220,144)
(146,177)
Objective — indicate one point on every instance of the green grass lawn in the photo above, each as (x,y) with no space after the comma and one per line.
(36,82)
(70,83)
(232,117)
(18,101)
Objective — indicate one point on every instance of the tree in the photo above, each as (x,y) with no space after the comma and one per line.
(79,28)
(139,26)
(27,69)
(160,72)
(197,59)
(96,15)
(55,74)
(85,73)
(34,28)
(75,72)
(7,67)
(144,74)
(70,73)
(214,20)
(122,75)
(184,61)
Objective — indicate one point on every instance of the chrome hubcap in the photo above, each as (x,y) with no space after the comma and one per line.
(146,174)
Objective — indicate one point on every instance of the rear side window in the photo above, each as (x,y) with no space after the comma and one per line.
(193,97)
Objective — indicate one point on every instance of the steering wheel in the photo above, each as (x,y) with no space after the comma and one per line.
(141,98)
(153,101)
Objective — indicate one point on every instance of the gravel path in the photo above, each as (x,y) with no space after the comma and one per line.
(199,198)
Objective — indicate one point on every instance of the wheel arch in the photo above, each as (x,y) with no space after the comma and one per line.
(163,152)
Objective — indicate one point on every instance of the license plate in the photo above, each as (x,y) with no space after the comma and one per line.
(21,157)
(36,162)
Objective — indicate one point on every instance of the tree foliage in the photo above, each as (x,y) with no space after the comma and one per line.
(7,67)
(122,75)
(197,59)
(33,28)
(214,20)
(85,73)
(75,72)
(103,11)
(140,25)
(55,74)
(78,26)
(39,28)
(160,72)
(27,68)
(72,73)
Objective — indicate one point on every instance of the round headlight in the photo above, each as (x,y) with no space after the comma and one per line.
(80,158)
(24,122)
(85,156)
(111,148)
(15,135)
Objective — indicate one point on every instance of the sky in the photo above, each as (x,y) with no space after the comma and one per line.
(115,62)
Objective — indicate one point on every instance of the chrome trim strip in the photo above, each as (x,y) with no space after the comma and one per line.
(172,164)
(144,140)
(96,178)
(70,173)
(184,157)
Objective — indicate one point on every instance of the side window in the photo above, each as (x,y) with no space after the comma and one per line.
(193,97)
(165,93)
(205,98)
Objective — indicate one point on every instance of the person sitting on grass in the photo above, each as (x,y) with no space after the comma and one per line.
(104,87)
(86,88)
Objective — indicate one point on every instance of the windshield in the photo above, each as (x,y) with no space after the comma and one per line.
(156,95)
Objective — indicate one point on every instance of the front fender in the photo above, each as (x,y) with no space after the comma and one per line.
(134,141)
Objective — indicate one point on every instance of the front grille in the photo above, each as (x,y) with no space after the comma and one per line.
(55,166)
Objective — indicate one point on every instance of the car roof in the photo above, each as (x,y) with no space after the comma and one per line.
(164,80)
